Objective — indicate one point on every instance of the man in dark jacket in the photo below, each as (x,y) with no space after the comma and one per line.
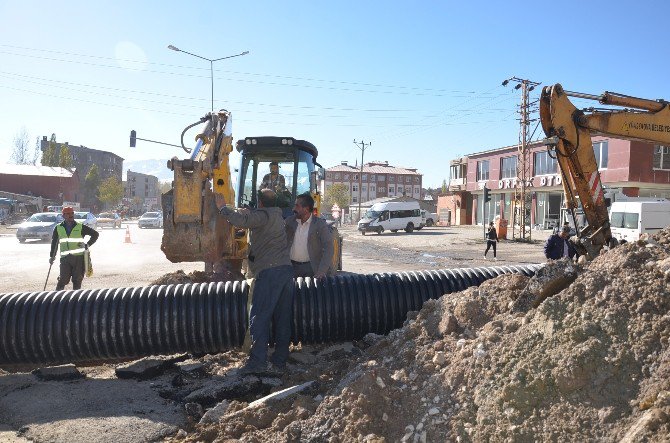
(70,236)
(559,246)
(310,240)
(273,290)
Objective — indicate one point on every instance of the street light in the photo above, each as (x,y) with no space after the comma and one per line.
(211,64)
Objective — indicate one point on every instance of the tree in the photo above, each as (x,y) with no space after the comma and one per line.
(110,191)
(65,158)
(20,152)
(50,157)
(336,194)
(91,185)
(37,153)
(444,186)
(163,187)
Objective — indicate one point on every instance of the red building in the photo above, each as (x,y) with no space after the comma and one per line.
(49,182)
(633,168)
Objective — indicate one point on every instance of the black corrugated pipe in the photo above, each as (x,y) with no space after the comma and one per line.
(109,324)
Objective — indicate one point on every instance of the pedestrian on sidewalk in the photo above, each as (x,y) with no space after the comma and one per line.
(491,240)
(273,290)
(70,236)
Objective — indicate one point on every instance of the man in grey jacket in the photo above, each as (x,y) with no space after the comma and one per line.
(310,240)
(273,290)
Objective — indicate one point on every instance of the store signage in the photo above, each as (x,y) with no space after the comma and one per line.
(511,184)
(550,180)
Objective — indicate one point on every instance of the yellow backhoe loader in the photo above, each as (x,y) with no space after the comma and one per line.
(193,231)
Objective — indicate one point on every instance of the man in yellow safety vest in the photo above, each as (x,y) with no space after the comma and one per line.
(70,236)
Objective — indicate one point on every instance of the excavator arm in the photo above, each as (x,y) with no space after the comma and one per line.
(569,130)
(192,230)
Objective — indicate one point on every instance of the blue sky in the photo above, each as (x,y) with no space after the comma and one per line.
(420,80)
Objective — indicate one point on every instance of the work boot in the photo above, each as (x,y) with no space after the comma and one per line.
(275,370)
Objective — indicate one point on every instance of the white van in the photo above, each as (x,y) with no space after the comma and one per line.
(629,219)
(391,216)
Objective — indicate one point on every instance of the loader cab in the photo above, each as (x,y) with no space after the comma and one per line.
(283,164)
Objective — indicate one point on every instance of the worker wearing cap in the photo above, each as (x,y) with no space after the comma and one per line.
(70,236)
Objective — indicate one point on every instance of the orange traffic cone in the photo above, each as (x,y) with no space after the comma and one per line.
(128,234)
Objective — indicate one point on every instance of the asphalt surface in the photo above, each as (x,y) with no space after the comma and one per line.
(116,263)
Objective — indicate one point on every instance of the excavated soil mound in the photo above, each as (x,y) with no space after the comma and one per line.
(180,277)
(572,354)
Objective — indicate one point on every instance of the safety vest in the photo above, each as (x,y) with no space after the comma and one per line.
(72,244)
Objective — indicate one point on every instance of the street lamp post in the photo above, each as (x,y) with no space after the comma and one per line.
(211,64)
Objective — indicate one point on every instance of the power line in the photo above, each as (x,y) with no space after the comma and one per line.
(409,90)
(437,90)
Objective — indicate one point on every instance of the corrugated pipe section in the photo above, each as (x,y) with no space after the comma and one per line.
(109,324)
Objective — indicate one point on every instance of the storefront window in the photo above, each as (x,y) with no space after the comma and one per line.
(547,209)
(492,208)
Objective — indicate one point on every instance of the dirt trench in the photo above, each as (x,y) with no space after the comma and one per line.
(575,353)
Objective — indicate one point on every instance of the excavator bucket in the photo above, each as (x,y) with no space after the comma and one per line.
(192,229)
(207,238)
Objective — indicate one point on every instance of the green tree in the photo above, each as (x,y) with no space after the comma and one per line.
(444,186)
(91,185)
(336,194)
(110,191)
(65,158)
(20,152)
(50,157)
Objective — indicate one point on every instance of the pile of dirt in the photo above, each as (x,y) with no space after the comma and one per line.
(575,353)
(180,277)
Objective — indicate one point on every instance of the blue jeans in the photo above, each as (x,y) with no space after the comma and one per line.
(272,302)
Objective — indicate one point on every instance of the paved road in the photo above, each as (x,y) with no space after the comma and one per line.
(115,263)
(118,264)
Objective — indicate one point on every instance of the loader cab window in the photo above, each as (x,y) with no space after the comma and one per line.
(287,170)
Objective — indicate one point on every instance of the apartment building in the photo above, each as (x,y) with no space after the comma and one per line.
(378,179)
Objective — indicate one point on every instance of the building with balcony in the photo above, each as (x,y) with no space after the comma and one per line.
(378,179)
(631,168)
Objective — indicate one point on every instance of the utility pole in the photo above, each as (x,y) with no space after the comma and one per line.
(362,146)
(522,199)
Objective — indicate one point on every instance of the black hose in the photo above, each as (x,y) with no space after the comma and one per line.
(109,324)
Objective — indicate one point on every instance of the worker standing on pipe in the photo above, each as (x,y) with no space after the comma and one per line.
(70,236)
(310,240)
(273,290)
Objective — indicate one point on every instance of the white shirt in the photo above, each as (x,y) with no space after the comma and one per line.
(566,250)
(299,250)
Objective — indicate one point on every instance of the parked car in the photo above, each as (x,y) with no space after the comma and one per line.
(86,218)
(109,219)
(38,226)
(151,220)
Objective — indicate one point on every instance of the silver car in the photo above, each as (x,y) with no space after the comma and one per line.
(86,218)
(38,226)
(151,220)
